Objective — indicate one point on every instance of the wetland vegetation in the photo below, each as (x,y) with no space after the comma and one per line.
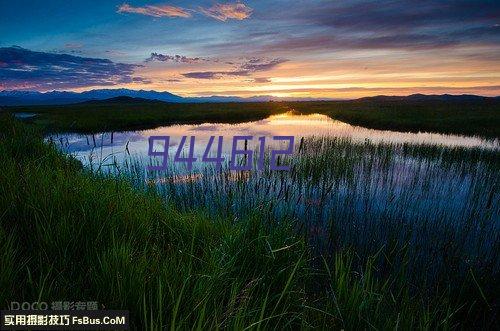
(358,235)
(475,117)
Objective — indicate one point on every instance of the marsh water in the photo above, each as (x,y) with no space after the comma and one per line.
(118,146)
(347,186)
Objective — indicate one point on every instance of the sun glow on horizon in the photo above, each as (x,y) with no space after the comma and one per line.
(331,50)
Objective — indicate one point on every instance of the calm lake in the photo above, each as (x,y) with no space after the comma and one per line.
(118,146)
(343,188)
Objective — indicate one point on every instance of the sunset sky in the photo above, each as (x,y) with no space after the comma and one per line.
(334,49)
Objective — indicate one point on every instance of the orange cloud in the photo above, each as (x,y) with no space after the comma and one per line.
(225,11)
(155,11)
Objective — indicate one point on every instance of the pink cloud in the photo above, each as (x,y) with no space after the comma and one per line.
(155,11)
(226,11)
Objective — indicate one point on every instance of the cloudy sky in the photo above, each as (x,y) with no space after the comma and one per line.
(337,49)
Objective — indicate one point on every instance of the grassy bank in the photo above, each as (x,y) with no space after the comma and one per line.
(69,234)
(480,118)
(99,117)
(469,118)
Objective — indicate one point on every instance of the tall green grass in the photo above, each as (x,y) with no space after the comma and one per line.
(71,234)
(440,204)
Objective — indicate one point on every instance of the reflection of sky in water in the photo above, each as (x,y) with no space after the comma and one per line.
(372,197)
(24,115)
(135,143)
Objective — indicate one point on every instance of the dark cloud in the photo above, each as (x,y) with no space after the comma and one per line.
(484,56)
(66,51)
(245,69)
(261,65)
(23,68)
(261,80)
(260,34)
(322,42)
(141,80)
(203,74)
(215,74)
(406,41)
(173,80)
(401,15)
(173,58)
(395,24)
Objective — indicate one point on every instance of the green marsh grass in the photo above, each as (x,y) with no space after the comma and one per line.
(458,117)
(231,251)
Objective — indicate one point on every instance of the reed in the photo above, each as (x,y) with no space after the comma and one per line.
(355,236)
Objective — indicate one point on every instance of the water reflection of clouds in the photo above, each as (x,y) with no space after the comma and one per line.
(136,142)
(81,143)
(24,115)
(205,127)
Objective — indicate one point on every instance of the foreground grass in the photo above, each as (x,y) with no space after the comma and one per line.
(471,118)
(66,233)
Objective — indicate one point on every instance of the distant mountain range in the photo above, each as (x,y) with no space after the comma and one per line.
(23,98)
(431,97)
